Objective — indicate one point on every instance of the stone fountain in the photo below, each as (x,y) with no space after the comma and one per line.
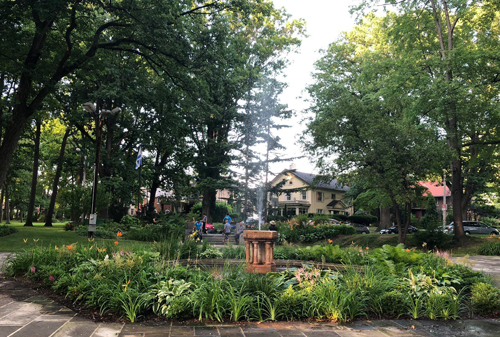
(260,250)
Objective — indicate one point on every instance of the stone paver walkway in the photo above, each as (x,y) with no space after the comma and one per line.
(26,313)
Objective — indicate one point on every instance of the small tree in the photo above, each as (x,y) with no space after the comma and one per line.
(431,213)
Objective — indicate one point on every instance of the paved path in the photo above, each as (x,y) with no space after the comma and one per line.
(26,313)
(487,264)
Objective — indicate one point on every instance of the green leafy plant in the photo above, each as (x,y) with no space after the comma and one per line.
(7,230)
(172,297)
(485,298)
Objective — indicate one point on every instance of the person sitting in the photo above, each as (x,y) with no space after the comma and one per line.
(239,231)
(273,227)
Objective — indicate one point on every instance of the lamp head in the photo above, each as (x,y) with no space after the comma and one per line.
(89,107)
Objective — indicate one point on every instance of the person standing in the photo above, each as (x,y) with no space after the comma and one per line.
(198,226)
(228,218)
(227,231)
(204,221)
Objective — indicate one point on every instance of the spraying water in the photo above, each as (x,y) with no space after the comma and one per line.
(260,197)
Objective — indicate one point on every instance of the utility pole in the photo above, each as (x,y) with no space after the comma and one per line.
(445,205)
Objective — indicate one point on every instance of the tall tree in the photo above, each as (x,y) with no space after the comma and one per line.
(448,50)
(363,130)
(236,51)
(45,41)
(34,178)
(55,185)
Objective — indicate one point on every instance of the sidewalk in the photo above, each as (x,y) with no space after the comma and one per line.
(26,313)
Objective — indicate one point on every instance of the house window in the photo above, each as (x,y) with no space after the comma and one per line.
(288,196)
(319,196)
(304,195)
(302,210)
(290,182)
(319,211)
(334,196)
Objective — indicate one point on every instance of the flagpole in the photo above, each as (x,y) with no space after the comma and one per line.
(139,194)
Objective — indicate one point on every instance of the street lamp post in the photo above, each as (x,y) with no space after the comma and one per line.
(98,115)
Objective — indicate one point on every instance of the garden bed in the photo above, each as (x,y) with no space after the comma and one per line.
(388,282)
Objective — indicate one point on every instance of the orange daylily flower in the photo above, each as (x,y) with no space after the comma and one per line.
(116,242)
(69,247)
(408,250)
(119,234)
(367,248)
(330,240)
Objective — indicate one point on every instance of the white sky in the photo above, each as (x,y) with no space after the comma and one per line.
(325,20)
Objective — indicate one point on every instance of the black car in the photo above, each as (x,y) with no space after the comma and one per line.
(361,229)
(394,230)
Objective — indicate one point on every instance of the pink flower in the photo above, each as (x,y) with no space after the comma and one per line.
(33,269)
(51,278)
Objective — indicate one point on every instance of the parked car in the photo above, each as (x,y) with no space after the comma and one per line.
(394,230)
(335,222)
(474,227)
(361,229)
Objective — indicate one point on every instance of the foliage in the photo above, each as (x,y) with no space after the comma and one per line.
(220,211)
(166,228)
(128,221)
(363,219)
(490,248)
(433,237)
(101,232)
(7,230)
(485,298)
(431,216)
(294,232)
(385,282)
(211,253)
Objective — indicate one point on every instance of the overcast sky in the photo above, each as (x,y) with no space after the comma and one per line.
(325,20)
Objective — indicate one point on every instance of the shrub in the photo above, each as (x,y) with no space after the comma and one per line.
(128,221)
(7,230)
(485,298)
(101,233)
(490,248)
(339,217)
(492,222)
(434,237)
(220,211)
(70,226)
(362,219)
(168,227)
(211,253)
(313,233)
(431,214)
(41,218)
(393,303)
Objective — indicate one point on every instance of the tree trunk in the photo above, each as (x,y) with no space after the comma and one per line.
(152,197)
(385,218)
(208,203)
(60,161)
(34,176)
(7,205)
(1,205)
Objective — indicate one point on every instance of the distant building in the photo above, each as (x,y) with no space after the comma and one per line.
(327,197)
(436,190)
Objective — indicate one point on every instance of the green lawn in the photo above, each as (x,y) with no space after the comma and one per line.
(47,236)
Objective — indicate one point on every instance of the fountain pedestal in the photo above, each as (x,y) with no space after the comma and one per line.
(260,250)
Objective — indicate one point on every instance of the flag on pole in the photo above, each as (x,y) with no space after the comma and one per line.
(138,161)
